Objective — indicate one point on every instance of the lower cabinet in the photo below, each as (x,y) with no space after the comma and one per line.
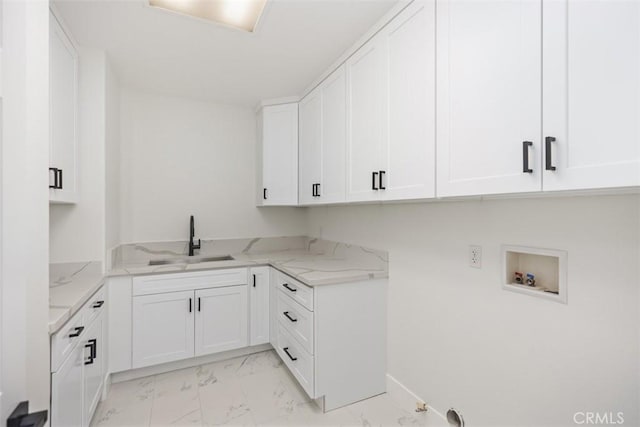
(259,302)
(221,319)
(332,338)
(162,328)
(78,367)
(66,391)
(184,315)
(94,368)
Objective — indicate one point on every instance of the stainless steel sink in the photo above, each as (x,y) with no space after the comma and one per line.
(190,260)
(212,259)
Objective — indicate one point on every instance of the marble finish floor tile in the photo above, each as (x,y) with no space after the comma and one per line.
(252,390)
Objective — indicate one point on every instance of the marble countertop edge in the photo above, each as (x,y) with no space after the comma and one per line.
(69,292)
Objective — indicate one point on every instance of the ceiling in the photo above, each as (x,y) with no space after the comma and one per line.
(157,50)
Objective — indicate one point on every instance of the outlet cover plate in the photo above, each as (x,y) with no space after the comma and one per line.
(475,256)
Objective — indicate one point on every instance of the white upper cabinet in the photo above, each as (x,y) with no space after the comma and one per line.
(408,154)
(366,124)
(391,113)
(591,94)
(334,137)
(489,95)
(278,155)
(310,146)
(63,99)
(322,142)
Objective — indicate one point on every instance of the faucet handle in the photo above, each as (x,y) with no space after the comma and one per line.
(197,246)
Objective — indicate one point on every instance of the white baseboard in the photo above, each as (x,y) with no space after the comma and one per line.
(407,398)
(134,374)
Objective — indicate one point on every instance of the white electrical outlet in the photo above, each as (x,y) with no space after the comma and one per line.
(475,256)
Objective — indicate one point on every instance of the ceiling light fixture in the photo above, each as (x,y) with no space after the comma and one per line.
(241,14)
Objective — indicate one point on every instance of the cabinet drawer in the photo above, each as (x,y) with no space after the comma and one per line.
(162,283)
(65,340)
(297,320)
(94,307)
(299,362)
(296,290)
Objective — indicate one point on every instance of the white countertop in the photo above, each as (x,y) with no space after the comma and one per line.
(70,287)
(309,268)
(318,263)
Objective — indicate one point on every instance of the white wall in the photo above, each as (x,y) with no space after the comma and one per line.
(24,274)
(181,157)
(112,160)
(457,339)
(78,231)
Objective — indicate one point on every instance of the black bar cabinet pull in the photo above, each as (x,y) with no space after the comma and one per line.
(55,178)
(94,348)
(525,156)
(190,305)
(77,332)
(382,187)
(547,159)
(313,190)
(286,285)
(254,280)
(374,175)
(98,304)
(286,350)
(60,179)
(286,314)
(91,345)
(264,193)
(198,303)
(318,189)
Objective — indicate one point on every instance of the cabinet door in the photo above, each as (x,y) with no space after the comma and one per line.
(591,94)
(488,96)
(366,124)
(66,391)
(280,154)
(221,319)
(310,110)
(162,328)
(273,303)
(259,305)
(409,150)
(63,75)
(334,137)
(93,367)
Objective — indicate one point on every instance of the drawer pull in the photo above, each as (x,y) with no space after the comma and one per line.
(286,350)
(78,331)
(286,314)
(98,304)
(286,285)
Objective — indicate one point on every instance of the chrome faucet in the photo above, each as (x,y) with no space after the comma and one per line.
(193,246)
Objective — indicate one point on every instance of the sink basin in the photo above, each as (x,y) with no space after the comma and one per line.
(190,260)
(212,259)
